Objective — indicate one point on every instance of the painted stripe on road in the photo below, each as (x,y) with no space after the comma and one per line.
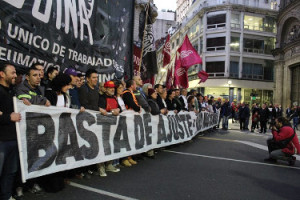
(117,196)
(229,159)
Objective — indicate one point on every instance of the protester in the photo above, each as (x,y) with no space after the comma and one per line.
(30,91)
(57,94)
(225,114)
(171,104)
(129,98)
(152,96)
(295,117)
(109,102)
(263,118)
(145,88)
(101,88)
(283,133)
(119,92)
(210,106)
(176,99)
(160,101)
(8,137)
(197,106)
(140,95)
(51,73)
(183,99)
(255,120)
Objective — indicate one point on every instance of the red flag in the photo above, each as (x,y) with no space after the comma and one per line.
(203,76)
(169,82)
(167,52)
(181,76)
(188,55)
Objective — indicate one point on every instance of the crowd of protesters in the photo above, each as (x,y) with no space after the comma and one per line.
(77,90)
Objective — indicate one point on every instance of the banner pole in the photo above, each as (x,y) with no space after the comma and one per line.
(142,51)
(19,142)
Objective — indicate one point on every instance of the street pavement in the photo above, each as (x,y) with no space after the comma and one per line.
(214,165)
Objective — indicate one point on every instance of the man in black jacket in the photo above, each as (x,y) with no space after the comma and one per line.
(129,98)
(263,118)
(8,137)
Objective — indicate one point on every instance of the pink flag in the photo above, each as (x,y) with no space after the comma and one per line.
(169,81)
(167,52)
(181,76)
(203,76)
(188,55)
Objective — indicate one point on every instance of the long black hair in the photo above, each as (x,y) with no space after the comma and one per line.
(60,81)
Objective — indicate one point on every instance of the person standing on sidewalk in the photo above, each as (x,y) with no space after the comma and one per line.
(8,137)
(263,118)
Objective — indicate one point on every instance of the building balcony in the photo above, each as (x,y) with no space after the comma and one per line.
(214,49)
(216,26)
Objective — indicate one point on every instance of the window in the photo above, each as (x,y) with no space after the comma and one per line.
(194,30)
(235,44)
(253,71)
(253,23)
(235,21)
(253,46)
(269,70)
(234,69)
(215,44)
(215,68)
(216,21)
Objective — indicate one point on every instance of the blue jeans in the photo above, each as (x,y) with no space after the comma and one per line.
(8,167)
(225,122)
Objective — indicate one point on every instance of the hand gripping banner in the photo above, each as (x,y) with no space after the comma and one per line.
(53,139)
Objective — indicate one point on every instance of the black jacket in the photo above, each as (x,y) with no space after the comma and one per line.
(154,107)
(8,128)
(264,115)
(52,96)
(131,101)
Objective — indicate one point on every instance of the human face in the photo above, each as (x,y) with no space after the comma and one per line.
(75,80)
(41,70)
(133,87)
(93,79)
(154,95)
(9,76)
(177,93)
(139,81)
(102,89)
(81,81)
(160,89)
(164,94)
(34,78)
(52,75)
(66,88)
(172,95)
(184,92)
(110,91)
(120,89)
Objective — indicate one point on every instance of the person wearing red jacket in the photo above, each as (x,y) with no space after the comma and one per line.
(283,131)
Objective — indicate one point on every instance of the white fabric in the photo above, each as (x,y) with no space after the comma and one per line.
(60,101)
(53,139)
(121,103)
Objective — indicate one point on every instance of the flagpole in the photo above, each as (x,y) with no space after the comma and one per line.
(142,51)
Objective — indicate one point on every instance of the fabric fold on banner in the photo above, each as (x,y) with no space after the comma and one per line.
(56,139)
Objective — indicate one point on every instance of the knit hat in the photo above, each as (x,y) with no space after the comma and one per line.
(150,91)
(109,84)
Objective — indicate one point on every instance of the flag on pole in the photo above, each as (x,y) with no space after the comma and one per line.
(203,76)
(188,55)
(167,52)
(148,44)
(169,82)
(181,76)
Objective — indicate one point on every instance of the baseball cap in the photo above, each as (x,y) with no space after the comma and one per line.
(71,71)
(109,84)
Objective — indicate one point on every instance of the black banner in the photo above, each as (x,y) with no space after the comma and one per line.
(71,33)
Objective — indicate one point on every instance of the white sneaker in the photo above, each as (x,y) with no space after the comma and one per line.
(11,198)
(102,171)
(36,189)
(111,168)
(19,192)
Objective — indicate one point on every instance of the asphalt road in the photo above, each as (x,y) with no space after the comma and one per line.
(219,165)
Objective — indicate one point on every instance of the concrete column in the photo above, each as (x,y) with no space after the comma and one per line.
(241,44)
(286,86)
(278,93)
(227,43)
(204,41)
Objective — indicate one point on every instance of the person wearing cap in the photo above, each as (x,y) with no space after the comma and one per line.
(109,102)
(73,93)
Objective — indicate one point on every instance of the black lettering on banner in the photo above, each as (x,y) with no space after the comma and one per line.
(176,124)
(189,122)
(39,141)
(161,131)
(121,129)
(92,151)
(181,132)
(139,132)
(148,128)
(106,122)
(206,120)
(66,131)
(199,122)
(183,120)
(171,127)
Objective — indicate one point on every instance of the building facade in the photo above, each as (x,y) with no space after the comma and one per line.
(287,54)
(235,39)
(164,21)
(182,7)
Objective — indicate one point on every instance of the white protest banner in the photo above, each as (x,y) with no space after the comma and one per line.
(54,139)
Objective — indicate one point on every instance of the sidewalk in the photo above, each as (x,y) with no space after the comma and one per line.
(236,126)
